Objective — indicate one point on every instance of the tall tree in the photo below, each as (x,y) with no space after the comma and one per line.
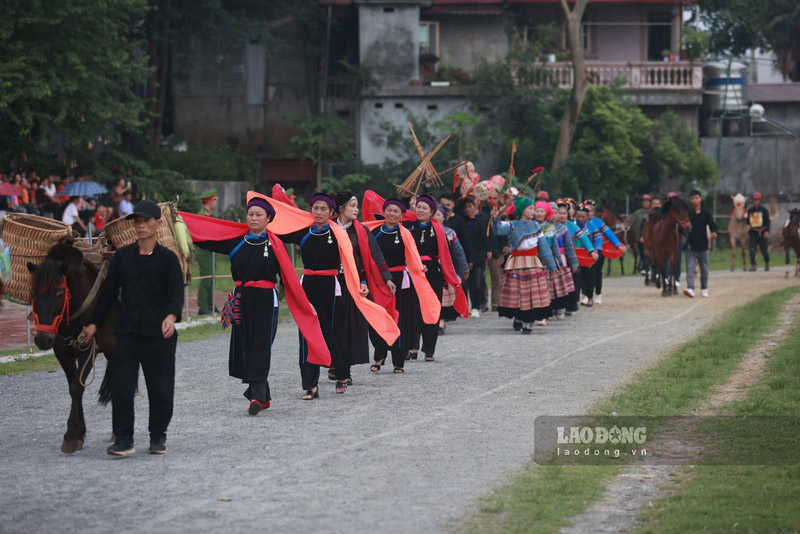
(739,25)
(569,120)
(67,73)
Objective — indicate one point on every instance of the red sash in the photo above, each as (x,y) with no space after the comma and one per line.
(279,193)
(378,288)
(323,272)
(449,271)
(530,252)
(261,284)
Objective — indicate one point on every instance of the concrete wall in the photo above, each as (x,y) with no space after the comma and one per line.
(228,193)
(786,113)
(211,101)
(389,42)
(618,43)
(770,165)
(464,39)
(376,108)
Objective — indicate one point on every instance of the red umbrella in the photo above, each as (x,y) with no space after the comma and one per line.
(8,190)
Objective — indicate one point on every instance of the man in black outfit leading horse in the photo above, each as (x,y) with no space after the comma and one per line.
(151,281)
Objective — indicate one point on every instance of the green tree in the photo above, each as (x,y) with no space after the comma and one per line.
(324,139)
(67,75)
(677,153)
(740,25)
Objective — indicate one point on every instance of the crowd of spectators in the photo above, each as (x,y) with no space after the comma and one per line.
(86,215)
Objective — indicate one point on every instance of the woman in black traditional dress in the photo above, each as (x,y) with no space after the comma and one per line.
(390,241)
(426,239)
(355,325)
(321,267)
(254,267)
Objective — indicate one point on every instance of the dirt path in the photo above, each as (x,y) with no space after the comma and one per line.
(399,453)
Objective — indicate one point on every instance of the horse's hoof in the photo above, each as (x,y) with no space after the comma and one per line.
(69,446)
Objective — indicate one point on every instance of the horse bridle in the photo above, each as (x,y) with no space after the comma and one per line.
(53,327)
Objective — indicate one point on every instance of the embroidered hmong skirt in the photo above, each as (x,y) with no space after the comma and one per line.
(525,294)
(561,283)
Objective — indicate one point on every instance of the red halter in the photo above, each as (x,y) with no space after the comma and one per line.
(53,328)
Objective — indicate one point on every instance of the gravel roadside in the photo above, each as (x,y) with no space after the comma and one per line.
(397,452)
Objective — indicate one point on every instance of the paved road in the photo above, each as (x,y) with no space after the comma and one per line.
(407,453)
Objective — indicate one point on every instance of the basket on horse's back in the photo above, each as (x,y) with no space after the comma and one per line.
(30,238)
(121,232)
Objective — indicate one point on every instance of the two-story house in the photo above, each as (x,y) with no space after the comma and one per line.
(402,43)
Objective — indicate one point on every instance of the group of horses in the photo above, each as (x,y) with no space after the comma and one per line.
(660,236)
(661,233)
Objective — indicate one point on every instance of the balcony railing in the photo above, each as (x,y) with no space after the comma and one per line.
(682,75)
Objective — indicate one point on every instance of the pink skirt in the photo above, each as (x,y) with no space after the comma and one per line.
(525,289)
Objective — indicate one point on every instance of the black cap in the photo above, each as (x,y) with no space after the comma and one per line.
(147,209)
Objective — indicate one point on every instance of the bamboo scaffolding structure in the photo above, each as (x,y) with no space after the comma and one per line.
(425,170)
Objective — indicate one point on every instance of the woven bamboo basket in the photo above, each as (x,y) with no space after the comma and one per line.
(120,233)
(30,238)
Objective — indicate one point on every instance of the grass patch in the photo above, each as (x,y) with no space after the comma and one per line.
(47,362)
(745,498)
(543,498)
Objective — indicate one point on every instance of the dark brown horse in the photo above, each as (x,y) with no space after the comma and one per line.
(661,234)
(791,238)
(61,284)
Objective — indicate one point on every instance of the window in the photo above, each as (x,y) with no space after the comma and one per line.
(659,36)
(429,38)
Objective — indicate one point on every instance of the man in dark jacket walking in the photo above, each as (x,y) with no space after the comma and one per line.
(697,244)
(150,279)
(476,223)
(758,219)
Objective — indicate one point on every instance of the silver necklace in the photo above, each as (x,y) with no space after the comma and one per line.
(266,246)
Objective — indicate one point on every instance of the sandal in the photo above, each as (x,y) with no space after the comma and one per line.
(349,381)
(399,370)
(341,387)
(311,395)
(428,358)
(331,373)
(375,367)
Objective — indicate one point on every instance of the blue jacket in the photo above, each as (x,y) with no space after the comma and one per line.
(597,228)
(519,230)
(580,235)
(565,241)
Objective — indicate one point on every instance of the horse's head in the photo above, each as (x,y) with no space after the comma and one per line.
(738,205)
(678,210)
(794,216)
(51,295)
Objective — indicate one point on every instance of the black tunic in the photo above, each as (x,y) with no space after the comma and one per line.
(355,325)
(250,349)
(320,252)
(427,245)
(394,253)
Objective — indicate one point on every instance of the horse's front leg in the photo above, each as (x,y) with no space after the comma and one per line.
(76,424)
(744,257)
(733,255)
(622,265)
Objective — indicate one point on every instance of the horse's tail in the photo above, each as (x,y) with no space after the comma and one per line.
(104,395)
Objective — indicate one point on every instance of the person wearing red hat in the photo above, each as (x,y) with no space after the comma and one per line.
(542,195)
(758,219)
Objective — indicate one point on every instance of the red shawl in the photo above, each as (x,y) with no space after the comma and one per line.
(210,229)
(449,271)
(372,205)
(378,288)
(279,193)
(289,219)
(429,303)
